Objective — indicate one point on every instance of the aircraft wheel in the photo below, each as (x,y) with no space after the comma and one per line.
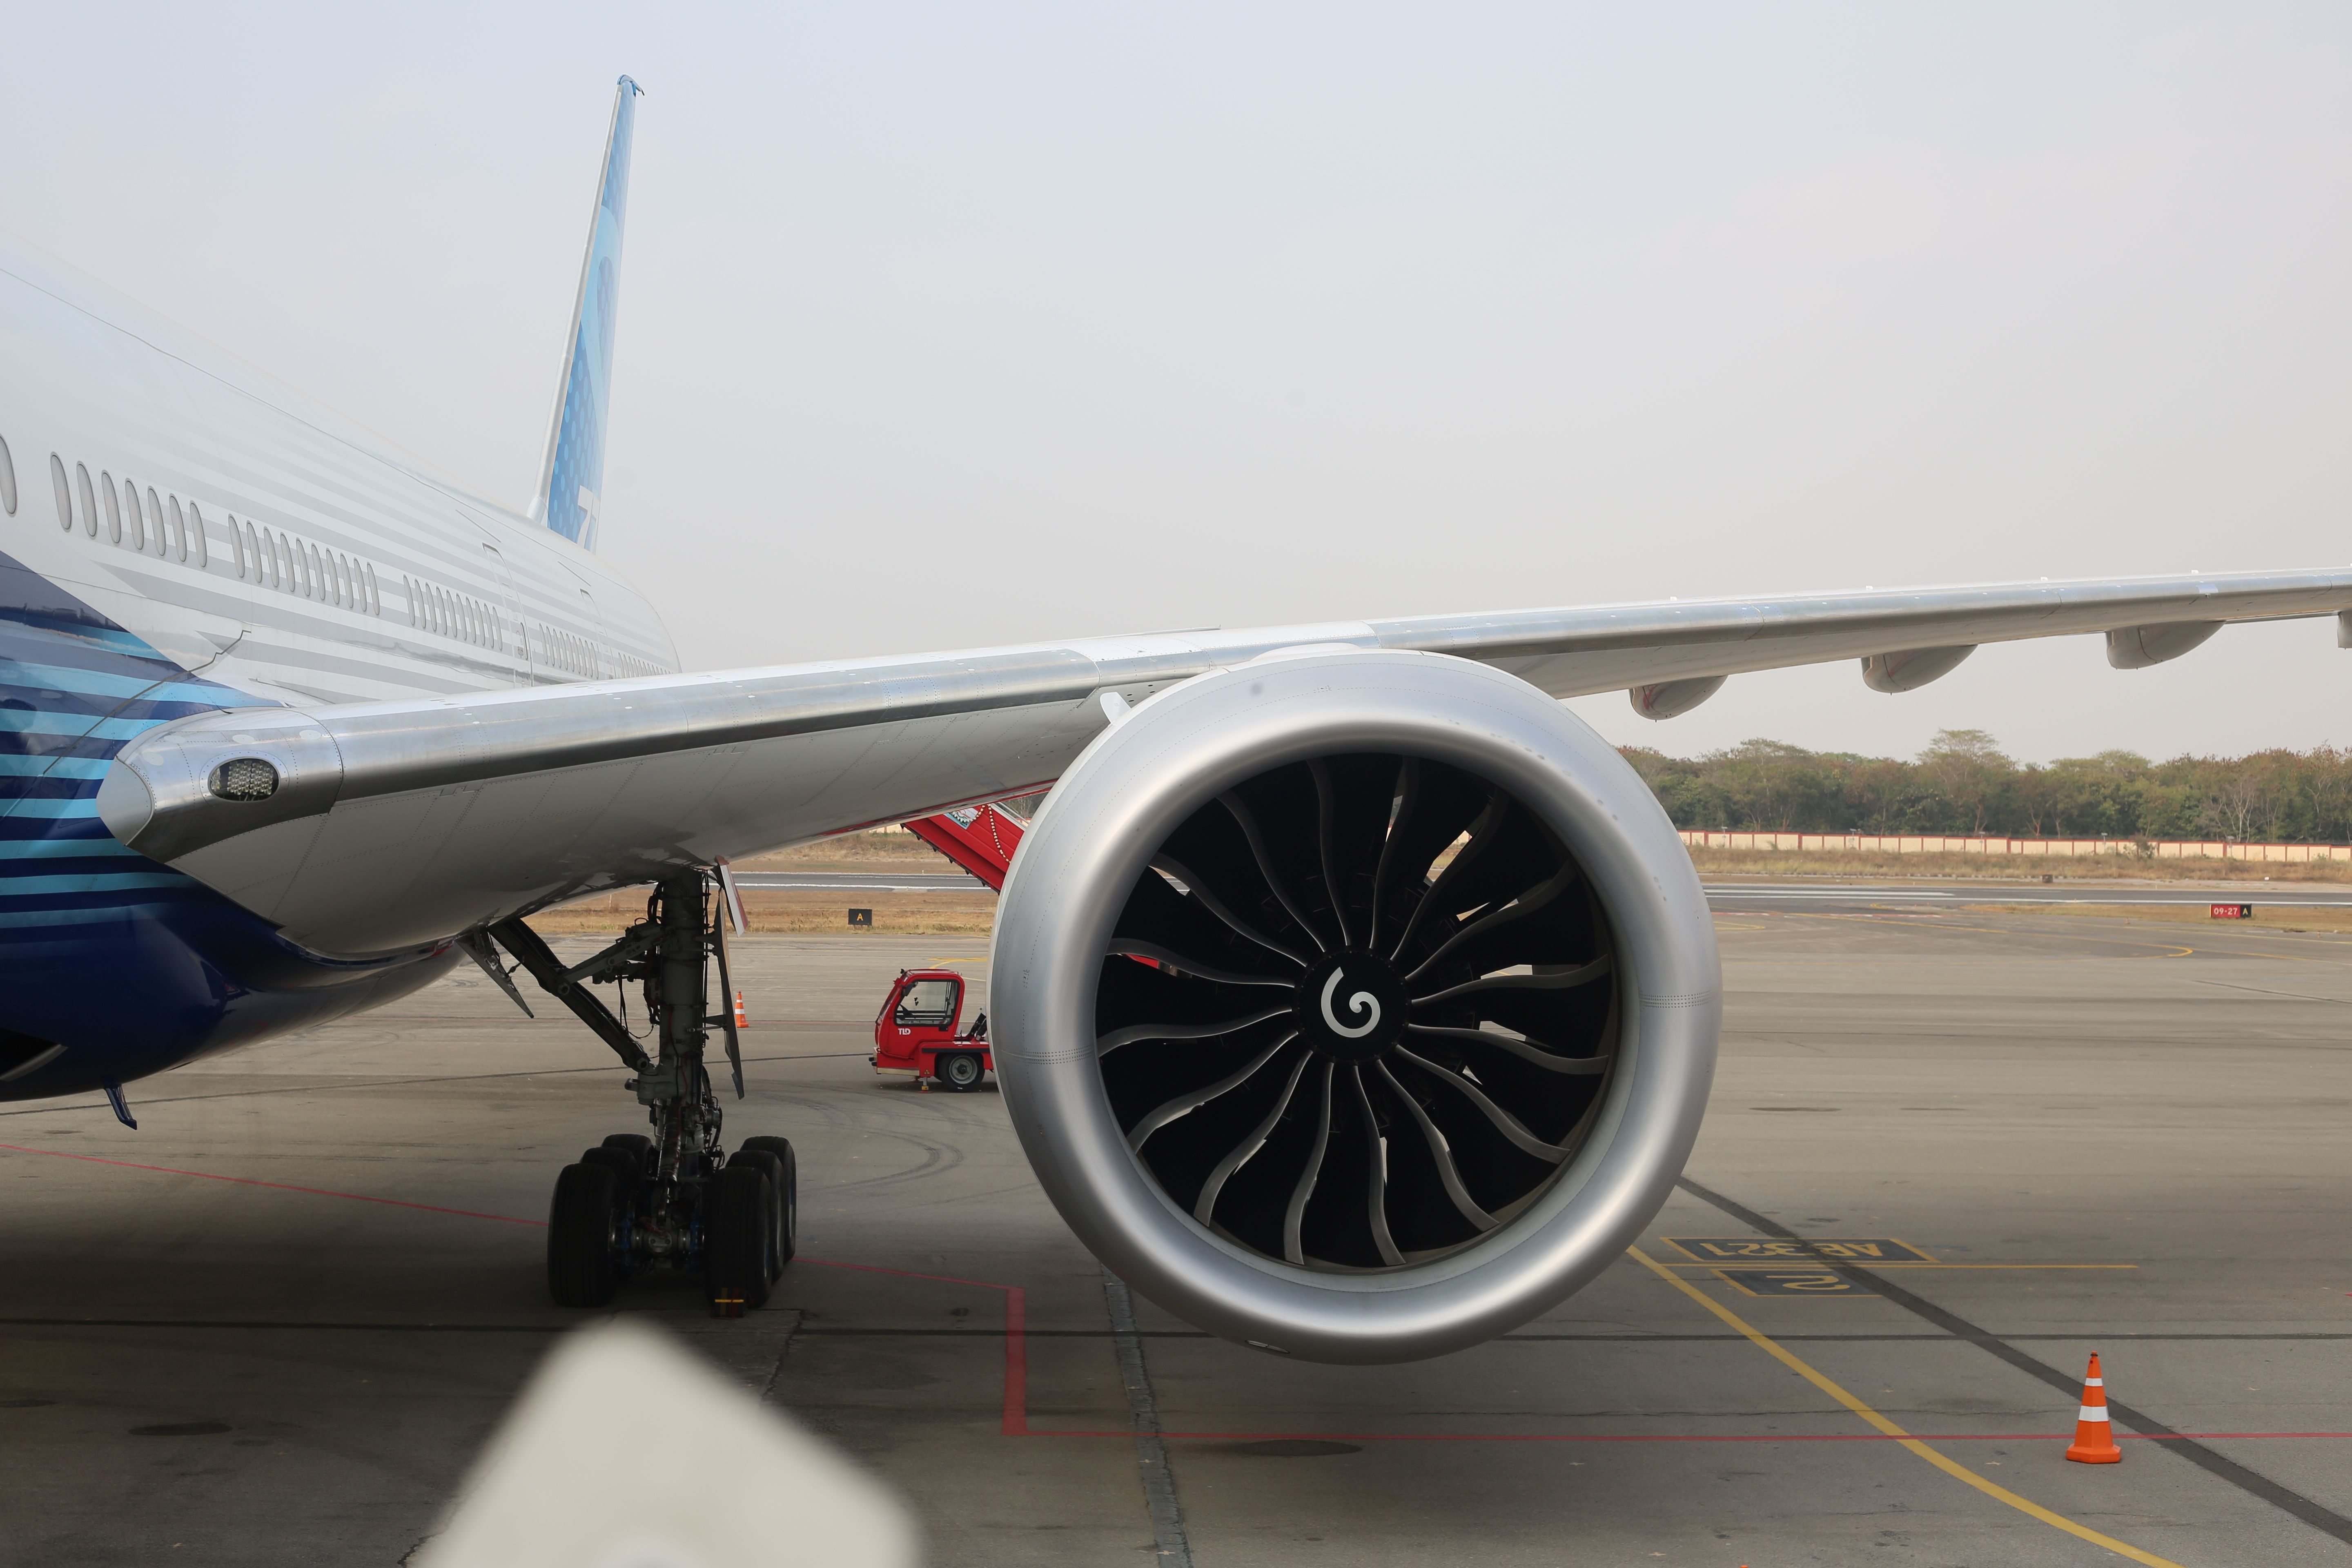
(788,1200)
(638,1147)
(620,1162)
(960,1071)
(739,1223)
(774,1168)
(583,1230)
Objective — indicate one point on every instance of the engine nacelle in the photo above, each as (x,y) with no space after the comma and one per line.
(1358,1005)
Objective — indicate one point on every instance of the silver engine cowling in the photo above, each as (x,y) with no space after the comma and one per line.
(1354,1004)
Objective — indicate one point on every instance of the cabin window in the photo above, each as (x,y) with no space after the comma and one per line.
(8,478)
(276,565)
(196,534)
(253,550)
(236,543)
(134,522)
(374,594)
(113,506)
(65,492)
(155,516)
(343,580)
(928,1003)
(179,529)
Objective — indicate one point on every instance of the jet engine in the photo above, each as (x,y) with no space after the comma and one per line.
(1356,1005)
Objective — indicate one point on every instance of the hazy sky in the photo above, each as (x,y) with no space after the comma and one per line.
(955,325)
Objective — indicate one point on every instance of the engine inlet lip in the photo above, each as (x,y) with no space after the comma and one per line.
(1182,749)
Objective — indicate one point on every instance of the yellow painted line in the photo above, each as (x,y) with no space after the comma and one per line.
(1943,1462)
(1802,1263)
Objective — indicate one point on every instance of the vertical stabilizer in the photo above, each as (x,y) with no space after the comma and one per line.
(572,479)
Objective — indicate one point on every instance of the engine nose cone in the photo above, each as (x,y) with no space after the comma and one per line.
(1349,1007)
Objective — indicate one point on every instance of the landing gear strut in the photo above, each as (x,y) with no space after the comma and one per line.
(673,1198)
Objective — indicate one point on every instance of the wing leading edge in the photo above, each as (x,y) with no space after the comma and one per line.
(399,824)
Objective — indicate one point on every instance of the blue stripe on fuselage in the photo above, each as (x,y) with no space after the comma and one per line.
(130,965)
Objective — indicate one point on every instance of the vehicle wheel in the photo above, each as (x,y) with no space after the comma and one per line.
(774,1170)
(788,1198)
(583,1226)
(621,1162)
(640,1148)
(738,1230)
(960,1071)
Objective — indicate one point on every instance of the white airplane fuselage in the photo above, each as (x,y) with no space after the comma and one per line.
(188,534)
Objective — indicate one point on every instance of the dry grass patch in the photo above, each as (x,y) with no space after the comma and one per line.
(2006,867)
(2309,920)
(793,910)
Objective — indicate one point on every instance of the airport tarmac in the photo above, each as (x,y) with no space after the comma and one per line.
(1757,895)
(273,1325)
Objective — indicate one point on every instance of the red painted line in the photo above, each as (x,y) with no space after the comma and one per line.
(1016,1355)
(276,1186)
(1668,1437)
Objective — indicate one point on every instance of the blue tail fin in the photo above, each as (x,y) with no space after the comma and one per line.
(572,480)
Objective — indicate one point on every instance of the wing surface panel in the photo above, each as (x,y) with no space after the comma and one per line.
(405,823)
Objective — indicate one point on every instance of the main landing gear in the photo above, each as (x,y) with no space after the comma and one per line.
(673,1198)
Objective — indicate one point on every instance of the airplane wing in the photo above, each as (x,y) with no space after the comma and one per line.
(376,827)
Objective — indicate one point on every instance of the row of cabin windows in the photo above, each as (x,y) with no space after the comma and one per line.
(174,530)
(565,651)
(177,531)
(437,609)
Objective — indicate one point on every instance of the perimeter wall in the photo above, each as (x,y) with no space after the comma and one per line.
(1938,843)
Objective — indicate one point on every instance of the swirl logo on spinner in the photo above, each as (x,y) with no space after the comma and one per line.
(1361,1002)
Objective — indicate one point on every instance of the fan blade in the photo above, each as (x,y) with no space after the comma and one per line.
(1129,947)
(1247,821)
(1526,1050)
(1439,892)
(1534,901)
(1183,1104)
(1583,974)
(1449,1175)
(1217,907)
(1297,1213)
(1504,1121)
(1106,1044)
(1375,1174)
(1248,1147)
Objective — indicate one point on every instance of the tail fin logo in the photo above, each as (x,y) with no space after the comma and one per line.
(574,475)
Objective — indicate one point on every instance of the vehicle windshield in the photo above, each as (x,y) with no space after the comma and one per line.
(928,1003)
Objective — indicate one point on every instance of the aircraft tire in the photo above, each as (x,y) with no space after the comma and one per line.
(738,1220)
(775,1173)
(620,1162)
(580,1268)
(788,1198)
(640,1148)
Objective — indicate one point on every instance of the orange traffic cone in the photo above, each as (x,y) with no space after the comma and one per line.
(2095,1442)
(740,1021)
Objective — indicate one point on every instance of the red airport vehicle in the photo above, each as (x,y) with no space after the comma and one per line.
(915,1033)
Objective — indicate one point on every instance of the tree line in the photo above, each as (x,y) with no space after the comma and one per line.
(1964,783)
